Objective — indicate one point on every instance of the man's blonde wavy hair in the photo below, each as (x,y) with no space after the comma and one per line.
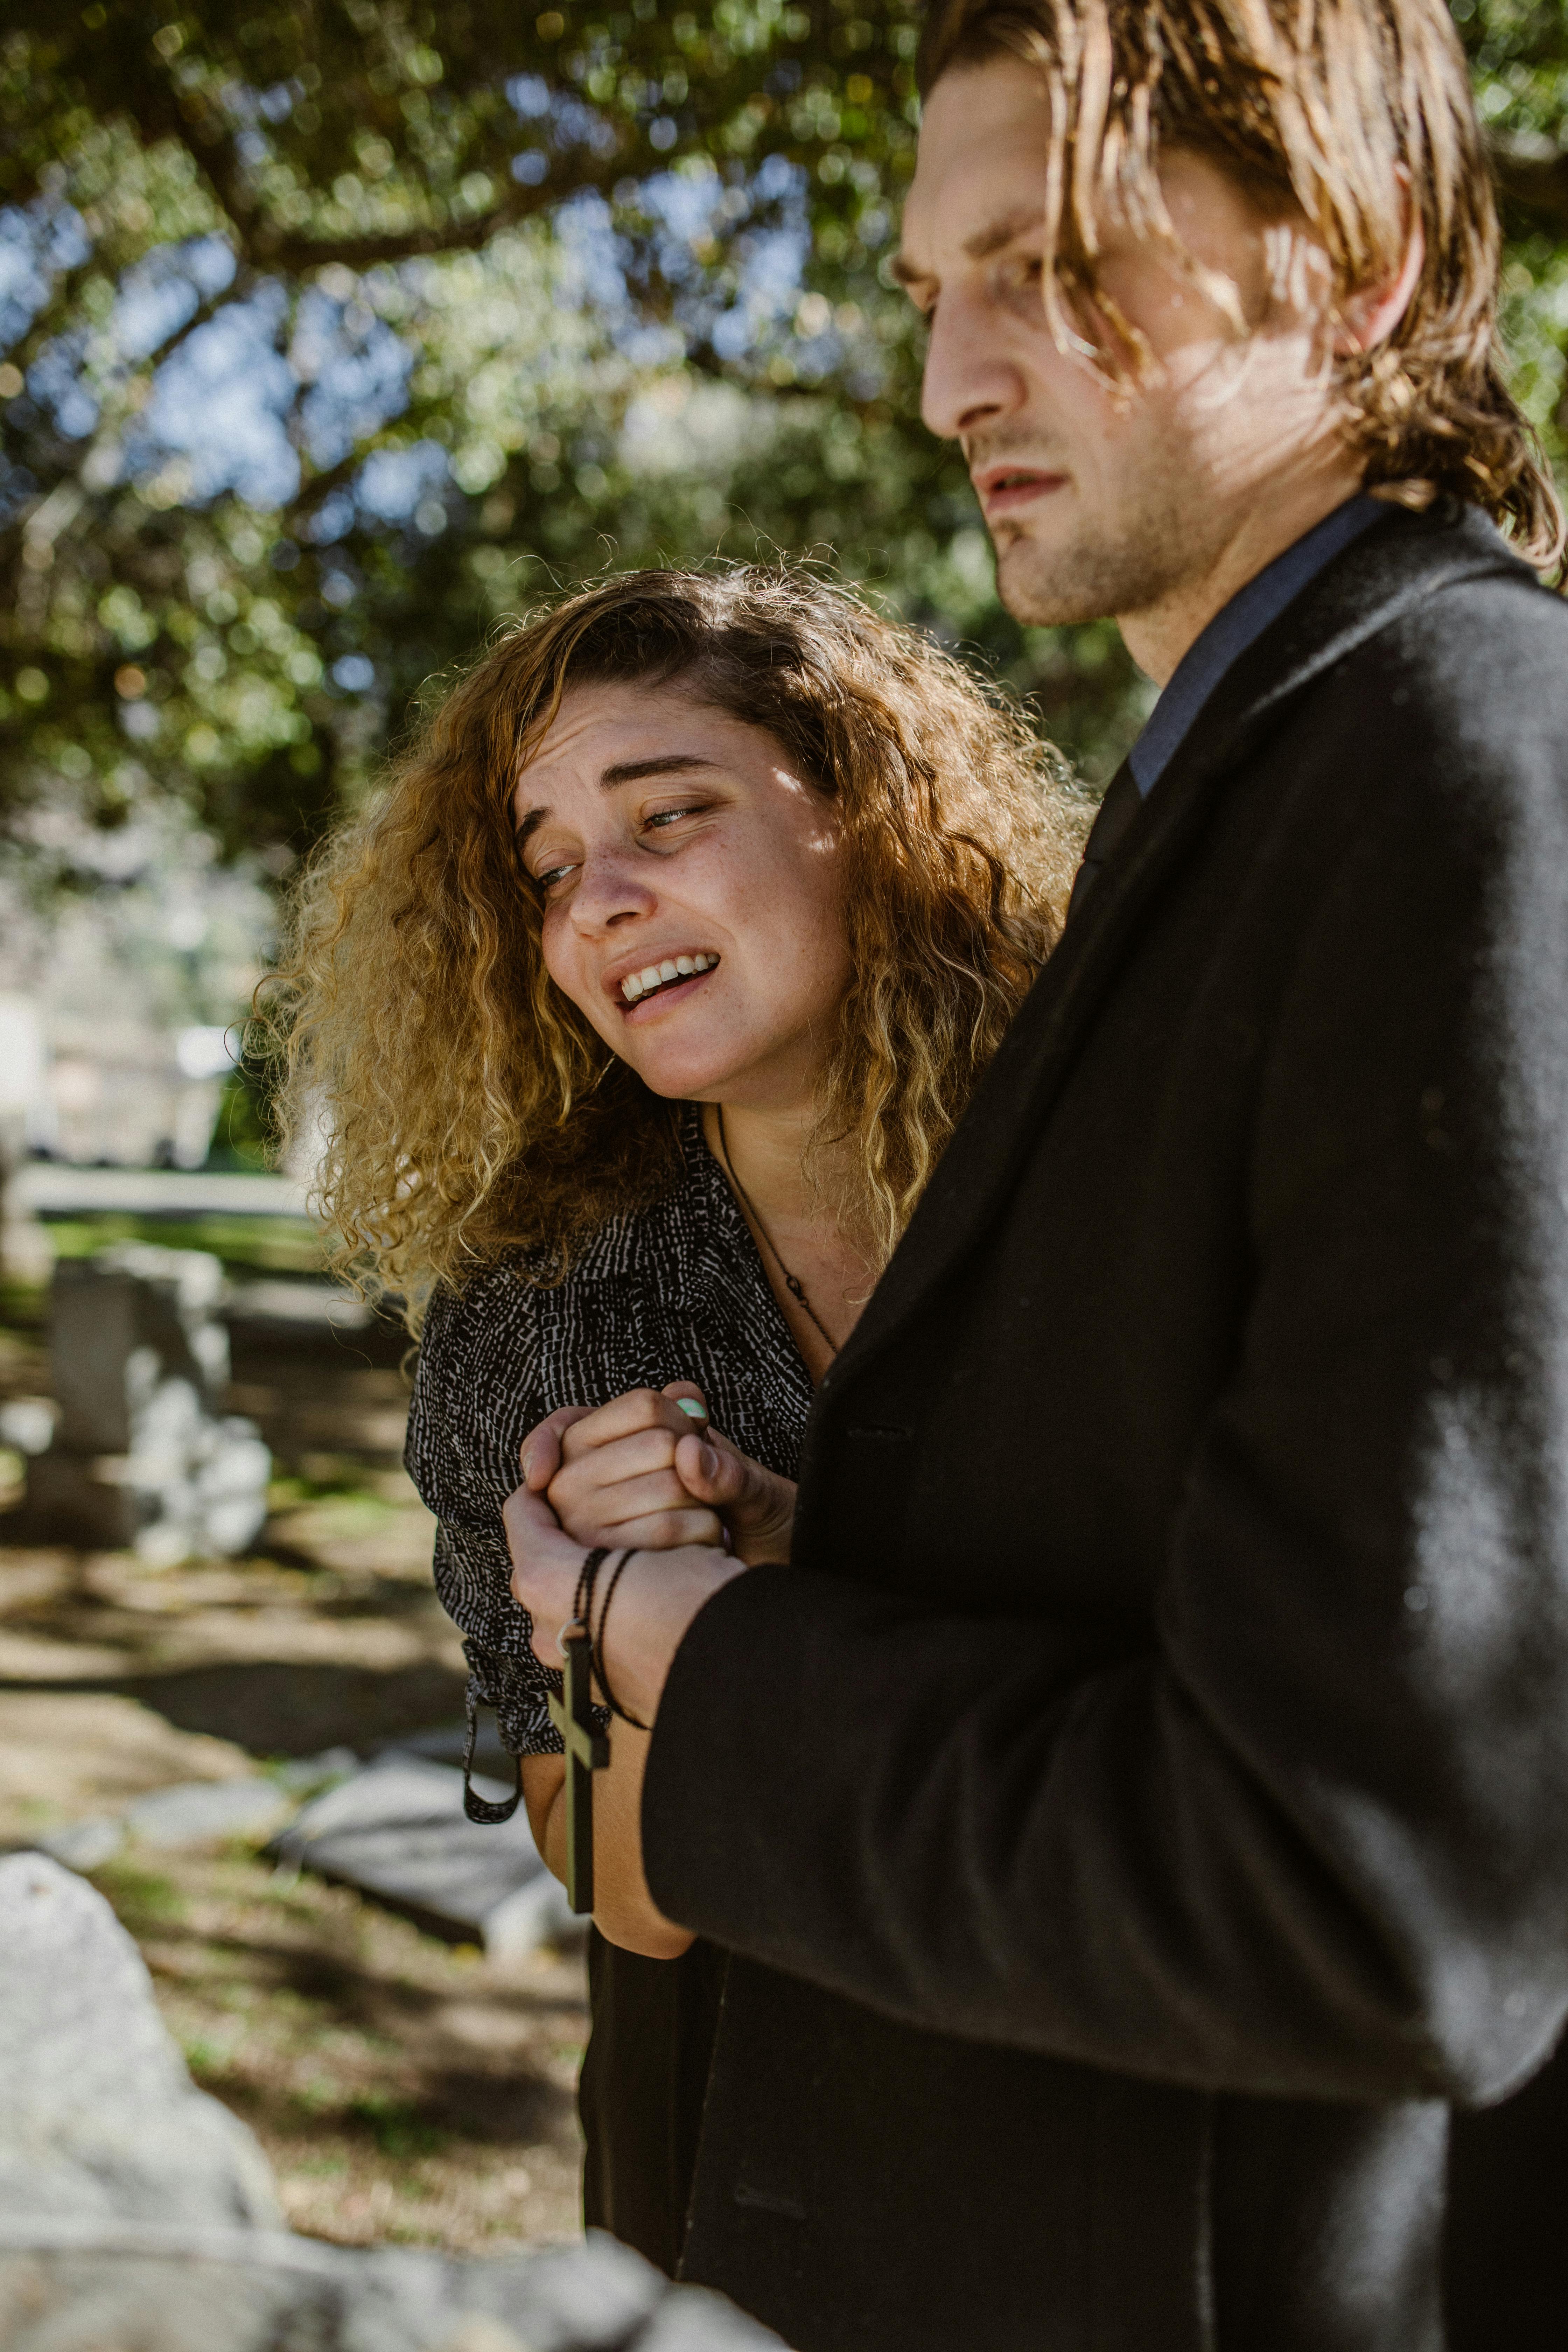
(466,1107)
(1345,110)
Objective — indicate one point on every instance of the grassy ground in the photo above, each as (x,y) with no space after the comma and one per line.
(403,2088)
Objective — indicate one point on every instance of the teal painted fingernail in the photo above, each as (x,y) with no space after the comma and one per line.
(694,1406)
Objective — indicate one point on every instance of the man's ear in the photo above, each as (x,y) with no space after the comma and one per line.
(1370,315)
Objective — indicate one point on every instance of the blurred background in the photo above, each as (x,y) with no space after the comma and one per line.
(332,332)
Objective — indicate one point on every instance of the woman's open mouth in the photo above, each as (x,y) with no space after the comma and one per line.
(659,979)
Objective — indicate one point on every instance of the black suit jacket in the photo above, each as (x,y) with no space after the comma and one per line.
(1140,1814)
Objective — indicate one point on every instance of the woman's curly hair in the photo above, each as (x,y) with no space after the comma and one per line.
(462,1107)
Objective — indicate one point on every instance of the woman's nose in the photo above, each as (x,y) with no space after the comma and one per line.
(609,892)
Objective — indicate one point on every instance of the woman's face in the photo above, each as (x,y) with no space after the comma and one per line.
(689,879)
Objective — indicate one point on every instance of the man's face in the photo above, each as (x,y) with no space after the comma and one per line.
(1100,501)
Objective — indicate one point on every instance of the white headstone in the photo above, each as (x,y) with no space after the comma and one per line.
(144,1454)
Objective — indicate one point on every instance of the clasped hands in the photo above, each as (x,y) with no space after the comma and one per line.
(639,1473)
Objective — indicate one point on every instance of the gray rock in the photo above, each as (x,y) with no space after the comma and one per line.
(141,2290)
(198,1811)
(98,2116)
(397,1829)
(84,1845)
(137,2215)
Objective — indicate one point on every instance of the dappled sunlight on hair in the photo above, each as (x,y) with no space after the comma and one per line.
(1340,112)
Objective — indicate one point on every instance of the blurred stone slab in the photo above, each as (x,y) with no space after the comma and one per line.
(143,1455)
(304,1303)
(397,1829)
(198,1812)
(44,1187)
(138,2215)
(445,1743)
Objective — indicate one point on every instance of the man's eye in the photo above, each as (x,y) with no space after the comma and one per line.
(669,816)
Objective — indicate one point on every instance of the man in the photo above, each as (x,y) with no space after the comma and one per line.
(1140,1812)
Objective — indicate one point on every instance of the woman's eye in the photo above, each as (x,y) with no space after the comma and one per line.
(552,874)
(669,816)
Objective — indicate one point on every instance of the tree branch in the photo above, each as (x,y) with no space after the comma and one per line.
(313,493)
(241,284)
(274,250)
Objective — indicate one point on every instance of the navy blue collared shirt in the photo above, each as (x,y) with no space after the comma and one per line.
(1235,626)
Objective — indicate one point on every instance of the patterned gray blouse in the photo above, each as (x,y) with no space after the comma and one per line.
(675,1292)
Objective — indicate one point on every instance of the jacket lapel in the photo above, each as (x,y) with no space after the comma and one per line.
(1367,586)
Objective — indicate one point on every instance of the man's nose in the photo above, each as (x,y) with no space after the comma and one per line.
(971,379)
(609,892)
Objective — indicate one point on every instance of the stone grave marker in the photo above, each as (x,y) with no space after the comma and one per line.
(144,1455)
(398,1830)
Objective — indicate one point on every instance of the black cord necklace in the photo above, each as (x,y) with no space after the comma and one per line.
(792,1282)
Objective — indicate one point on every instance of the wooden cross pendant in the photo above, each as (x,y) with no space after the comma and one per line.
(587,1752)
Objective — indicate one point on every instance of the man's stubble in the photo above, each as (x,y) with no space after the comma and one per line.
(1137,553)
(1092,575)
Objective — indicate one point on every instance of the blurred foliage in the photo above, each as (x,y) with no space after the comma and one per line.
(283,1245)
(334,329)
(245,1135)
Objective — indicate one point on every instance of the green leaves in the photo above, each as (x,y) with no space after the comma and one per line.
(347,326)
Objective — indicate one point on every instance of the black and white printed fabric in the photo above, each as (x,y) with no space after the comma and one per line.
(675,1292)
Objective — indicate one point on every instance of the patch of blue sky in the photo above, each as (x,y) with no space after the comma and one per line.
(356,370)
(593,274)
(159,293)
(220,401)
(394,482)
(17,489)
(529,97)
(769,289)
(333,519)
(36,241)
(691,206)
(55,381)
(571,120)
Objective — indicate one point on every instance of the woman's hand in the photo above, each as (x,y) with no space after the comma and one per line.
(648,1473)
(656,1600)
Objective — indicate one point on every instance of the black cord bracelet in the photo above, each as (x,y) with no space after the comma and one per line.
(582,1598)
(597,1647)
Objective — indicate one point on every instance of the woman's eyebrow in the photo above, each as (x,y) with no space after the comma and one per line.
(624,772)
(632,772)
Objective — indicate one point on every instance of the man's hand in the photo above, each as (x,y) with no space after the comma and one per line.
(659,1595)
(648,1471)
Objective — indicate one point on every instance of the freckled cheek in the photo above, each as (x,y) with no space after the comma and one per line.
(562,961)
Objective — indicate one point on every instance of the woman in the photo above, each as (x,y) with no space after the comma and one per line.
(640,1008)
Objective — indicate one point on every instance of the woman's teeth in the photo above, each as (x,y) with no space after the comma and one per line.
(659,975)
